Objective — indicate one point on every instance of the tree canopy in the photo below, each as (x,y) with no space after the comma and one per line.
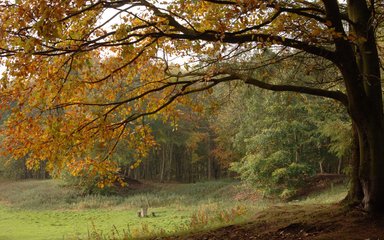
(76,78)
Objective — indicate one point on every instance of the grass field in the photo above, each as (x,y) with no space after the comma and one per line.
(49,210)
(59,224)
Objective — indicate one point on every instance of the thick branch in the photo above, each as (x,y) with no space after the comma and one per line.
(335,95)
(214,36)
(239,36)
(230,76)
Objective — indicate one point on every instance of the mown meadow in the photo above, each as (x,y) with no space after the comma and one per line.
(48,209)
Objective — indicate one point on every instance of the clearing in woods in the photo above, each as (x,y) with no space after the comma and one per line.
(211,210)
(47,209)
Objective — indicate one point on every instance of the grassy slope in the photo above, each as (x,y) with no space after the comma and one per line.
(48,210)
(317,217)
(314,222)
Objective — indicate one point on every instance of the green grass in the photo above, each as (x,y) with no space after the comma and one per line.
(50,210)
(331,195)
(56,224)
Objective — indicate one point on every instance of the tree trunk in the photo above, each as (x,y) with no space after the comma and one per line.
(321,167)
(162,168)
(209,164)
(355,193)
(373,180)
(297,147)
(339,165)
(170,158)
(209,168)
(360,66)
(143,212)
(370,118)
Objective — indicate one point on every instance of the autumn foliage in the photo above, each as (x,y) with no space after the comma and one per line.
(80,74)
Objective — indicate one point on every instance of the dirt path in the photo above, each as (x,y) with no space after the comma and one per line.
(296,222)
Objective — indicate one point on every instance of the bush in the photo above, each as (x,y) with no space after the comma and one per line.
(88,185)
(275,174)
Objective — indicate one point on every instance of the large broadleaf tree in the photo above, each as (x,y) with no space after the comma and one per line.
(80,72)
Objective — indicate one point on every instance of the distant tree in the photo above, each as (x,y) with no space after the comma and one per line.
(281,139)
(183,151)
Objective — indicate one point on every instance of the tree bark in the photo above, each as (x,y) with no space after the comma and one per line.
(371,132)
(355,194)
(360,66)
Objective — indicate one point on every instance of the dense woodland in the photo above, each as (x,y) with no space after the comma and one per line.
(272,141)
